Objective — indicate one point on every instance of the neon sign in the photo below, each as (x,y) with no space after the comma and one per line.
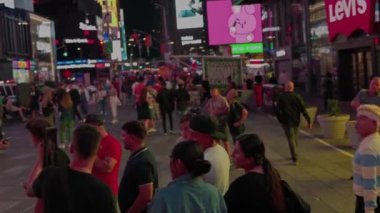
(88,27)
(79,41)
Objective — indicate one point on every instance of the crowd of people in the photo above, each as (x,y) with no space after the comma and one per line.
(199,166)
(200,160)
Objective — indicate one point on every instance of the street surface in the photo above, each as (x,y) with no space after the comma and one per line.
(321,178)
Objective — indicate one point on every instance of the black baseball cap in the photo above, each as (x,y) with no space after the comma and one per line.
(207,125)
(94,119)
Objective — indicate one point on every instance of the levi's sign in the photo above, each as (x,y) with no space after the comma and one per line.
(347,16)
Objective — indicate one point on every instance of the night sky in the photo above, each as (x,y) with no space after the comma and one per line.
(140,14)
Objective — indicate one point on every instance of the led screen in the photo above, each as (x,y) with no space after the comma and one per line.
(238,49)
(229,24)
(189,14)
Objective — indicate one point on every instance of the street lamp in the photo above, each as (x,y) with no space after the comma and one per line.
(168,48)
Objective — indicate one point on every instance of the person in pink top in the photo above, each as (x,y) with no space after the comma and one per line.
(107,164)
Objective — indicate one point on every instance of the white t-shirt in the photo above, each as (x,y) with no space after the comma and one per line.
(220,168)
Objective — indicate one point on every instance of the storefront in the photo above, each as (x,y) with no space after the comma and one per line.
(83,71)
(22,71)
(354,38)
(15,45)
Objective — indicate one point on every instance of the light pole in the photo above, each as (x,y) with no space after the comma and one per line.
(168,48)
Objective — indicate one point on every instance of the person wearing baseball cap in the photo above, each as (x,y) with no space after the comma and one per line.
(367,159)
(107,164)
(203,130)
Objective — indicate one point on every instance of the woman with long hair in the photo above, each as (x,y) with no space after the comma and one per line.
(188,191)
(143,111)
(259,189)
(114,103)
(66,119)
(47,106)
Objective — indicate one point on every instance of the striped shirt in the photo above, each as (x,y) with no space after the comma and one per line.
(366,169)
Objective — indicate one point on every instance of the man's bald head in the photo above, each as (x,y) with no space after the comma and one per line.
(289,86)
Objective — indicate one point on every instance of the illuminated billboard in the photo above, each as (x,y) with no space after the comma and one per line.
(189,14)
(238,49)
(228,24)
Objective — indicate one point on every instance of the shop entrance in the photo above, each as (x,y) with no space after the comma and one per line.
(354,71)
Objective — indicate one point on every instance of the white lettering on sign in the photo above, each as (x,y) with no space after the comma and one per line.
(280,53)
(346,8)
(76,41)
(188,40)
(88,27)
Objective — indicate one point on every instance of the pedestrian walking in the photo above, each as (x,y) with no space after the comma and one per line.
(47,106)
(328,89)
(114,103)
(140,179)
(153,108)
(143,110)
(84,99)
(101,97)
(165,100)
(289,108)
(258,89)
(188,191)
(238,114)
(366,161)
(203,130)
(35,98)
(72,188)
(259,189)
(206,95)
(182,98)
(67,121)
(107,164)
(218,107)
(75,98)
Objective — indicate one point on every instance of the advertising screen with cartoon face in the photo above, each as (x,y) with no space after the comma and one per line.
(189,14)
(228,24)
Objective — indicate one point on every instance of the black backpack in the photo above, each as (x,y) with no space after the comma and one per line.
(294,202)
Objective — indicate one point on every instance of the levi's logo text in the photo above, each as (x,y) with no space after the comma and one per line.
(346,8)
(347,16)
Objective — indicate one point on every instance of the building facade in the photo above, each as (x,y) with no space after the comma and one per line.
(78,39)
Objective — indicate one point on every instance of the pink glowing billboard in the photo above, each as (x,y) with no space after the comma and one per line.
(230,24)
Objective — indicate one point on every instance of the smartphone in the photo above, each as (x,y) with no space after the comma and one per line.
(50,146)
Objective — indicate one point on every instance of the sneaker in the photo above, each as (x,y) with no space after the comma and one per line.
(171,132)
(114,121)
(152,130)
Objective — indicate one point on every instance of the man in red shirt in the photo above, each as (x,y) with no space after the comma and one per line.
(107,164)
(139,88)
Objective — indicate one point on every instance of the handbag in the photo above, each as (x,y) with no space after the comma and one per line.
(294,202)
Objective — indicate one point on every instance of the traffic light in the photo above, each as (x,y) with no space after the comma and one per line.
(65,53)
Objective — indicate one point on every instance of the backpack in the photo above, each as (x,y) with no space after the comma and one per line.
(294,202)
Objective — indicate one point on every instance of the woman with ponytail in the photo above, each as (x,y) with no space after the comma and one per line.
(259,189)
(188,192)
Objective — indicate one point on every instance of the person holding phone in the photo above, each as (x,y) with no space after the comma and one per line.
(38,132)
(72,188)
